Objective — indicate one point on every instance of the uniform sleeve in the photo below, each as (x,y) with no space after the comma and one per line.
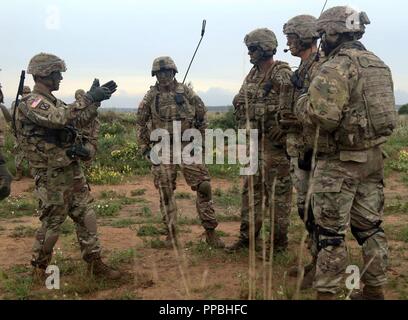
(201,121)
(285,87)
(45,114)
(143,118)
(329,93)
(91,135)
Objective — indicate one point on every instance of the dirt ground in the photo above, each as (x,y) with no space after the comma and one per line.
(152,272)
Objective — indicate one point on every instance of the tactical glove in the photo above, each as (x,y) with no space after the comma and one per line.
(78,151)
(5,179)
(146,154)
(99,93)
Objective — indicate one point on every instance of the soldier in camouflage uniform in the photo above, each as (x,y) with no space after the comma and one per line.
(89,133)
(351,103)
(267,89)
(302,36)
(5,177)
(18,153)
(164,103)
(48,128)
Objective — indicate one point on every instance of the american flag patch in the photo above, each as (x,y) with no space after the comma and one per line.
(36,102)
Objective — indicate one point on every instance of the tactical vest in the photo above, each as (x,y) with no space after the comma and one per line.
(264,96)
(35,142)
(172,106)
(371,115)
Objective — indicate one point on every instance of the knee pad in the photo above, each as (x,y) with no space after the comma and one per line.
(363,235)
(204,189)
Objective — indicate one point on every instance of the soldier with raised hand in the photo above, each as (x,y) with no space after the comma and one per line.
(266,90)
(166,102)
(352,106)
(54,151)
(5,176)
(302,37)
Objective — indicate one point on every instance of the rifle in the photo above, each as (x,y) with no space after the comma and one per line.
(19,93)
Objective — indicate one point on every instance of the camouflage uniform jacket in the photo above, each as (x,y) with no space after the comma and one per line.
(266,94)
(41,121)
(336,98)
(159,109)
(302,139)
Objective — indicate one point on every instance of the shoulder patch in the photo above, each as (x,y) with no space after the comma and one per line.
(36,102)
(44,106)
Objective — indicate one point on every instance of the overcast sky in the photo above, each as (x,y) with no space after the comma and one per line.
(119,40)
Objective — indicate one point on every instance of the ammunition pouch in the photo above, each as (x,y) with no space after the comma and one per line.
(332,238)
(61,137)
(78,151)
(179,98)
(305,162)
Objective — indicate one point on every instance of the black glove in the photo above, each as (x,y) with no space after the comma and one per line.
(5,180)
(78,151)
(99,93)
(305,164)
(146,154)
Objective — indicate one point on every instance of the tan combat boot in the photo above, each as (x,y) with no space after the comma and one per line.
(213,239)
(238,245)
(369,293)
(97,268)
(309,275)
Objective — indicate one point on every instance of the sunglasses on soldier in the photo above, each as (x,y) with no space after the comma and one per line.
(252,48)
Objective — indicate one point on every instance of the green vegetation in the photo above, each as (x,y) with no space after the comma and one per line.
(403,110)
(23,232)
(14,207)
(123,223)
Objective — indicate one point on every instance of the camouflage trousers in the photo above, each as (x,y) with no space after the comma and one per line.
(273,163)
(344,194)
(64,192)
(198,178)
(18,157)
(300,179)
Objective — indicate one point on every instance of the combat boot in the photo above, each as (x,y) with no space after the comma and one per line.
(97,268)
(308,277)
(40,266)
(213,239)
(369,293)
(242,243)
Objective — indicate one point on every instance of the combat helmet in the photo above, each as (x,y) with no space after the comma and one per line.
(263,38)
(79,93)
(26,90)
(163,63)
(342,19)
(43,64)
(304,26)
